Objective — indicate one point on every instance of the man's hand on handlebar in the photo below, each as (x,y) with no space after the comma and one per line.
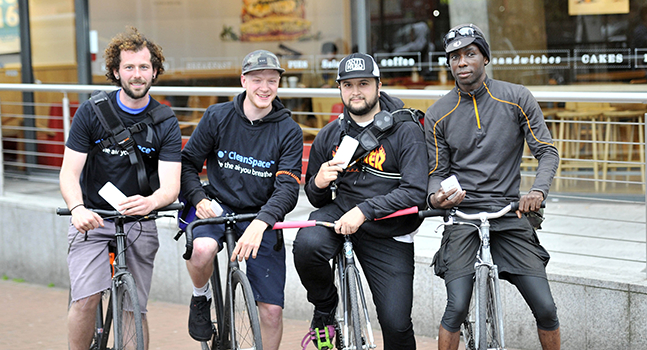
(530,202)
(85,220)
(250,241)
(328,173)
(203,209)
(137,205)
(440,199)
(350,222)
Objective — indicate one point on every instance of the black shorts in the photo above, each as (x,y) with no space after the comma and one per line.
(514,245)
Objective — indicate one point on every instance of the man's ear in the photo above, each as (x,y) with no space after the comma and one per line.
(486,61)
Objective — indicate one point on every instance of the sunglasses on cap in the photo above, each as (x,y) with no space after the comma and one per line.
(467,31)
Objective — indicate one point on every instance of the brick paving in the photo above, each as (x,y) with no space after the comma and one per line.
(34,317)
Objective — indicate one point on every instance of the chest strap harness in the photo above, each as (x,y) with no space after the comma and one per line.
(122,137)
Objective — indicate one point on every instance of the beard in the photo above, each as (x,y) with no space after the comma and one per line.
(135,95)
(364,108)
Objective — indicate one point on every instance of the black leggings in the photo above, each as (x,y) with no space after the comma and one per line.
(388,266)
(535,291)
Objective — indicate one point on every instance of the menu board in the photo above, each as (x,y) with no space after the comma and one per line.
(597,7)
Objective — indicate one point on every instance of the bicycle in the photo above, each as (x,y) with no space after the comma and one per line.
(125,316)
(483,328)
(235,318)
(355,331)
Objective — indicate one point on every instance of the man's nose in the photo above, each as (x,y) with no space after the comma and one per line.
(461,60)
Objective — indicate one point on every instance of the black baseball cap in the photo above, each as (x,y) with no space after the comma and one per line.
(357,65)
(464,35)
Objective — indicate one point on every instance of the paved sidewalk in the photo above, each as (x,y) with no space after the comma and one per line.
(34,317)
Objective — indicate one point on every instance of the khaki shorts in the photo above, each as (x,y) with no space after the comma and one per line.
(89,264)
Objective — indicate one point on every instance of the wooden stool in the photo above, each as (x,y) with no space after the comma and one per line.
(572,119)
(614,121)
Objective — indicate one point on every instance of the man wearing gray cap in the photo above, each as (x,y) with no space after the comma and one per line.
(476,132)
(253,150)
(380,180)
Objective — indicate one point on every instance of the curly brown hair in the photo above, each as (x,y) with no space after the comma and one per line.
(131,40)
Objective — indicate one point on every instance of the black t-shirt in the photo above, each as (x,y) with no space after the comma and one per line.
(112,164)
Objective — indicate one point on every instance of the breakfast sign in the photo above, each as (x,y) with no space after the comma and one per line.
(273,20)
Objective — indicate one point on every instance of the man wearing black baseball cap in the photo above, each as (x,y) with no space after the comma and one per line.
(380,180)
(253,150)
(476,132)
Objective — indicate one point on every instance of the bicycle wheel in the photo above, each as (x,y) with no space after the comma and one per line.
(487,319)
(354,326)
(246,326)
(217,312)
(128,333)
(467,327)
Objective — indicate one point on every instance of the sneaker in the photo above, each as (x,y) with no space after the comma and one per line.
(322,331)
(200,326)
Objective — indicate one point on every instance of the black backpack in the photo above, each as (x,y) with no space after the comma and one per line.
(121,136)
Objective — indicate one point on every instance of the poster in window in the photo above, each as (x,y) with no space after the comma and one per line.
(9,29)
(597,7)
(273,20)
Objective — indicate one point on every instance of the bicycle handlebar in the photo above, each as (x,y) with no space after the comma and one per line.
(513,206)
(114,213)
(310,223)
(223,220)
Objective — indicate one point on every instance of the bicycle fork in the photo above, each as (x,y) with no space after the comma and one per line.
(231,267)
(485,258)
(349,260)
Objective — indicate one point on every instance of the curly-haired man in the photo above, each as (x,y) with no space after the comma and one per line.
(133,63)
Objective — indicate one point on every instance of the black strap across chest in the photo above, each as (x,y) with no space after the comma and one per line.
(122,137)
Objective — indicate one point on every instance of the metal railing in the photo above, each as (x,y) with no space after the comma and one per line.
(583,176)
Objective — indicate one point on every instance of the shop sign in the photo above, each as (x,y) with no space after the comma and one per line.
(641,58)
(437,60)
(9,27)
(530,59)
(398,62)
(602,58)
(214,63)
(297,63)
(522,59)
(328,63)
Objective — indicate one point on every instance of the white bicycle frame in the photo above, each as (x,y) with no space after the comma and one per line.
(484,257)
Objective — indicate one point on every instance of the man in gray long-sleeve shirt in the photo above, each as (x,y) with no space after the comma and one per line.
(477,133)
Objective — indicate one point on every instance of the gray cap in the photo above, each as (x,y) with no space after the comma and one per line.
(357,65)
(260,60)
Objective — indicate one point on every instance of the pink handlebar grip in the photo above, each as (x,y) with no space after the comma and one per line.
(408,211)
(294,224)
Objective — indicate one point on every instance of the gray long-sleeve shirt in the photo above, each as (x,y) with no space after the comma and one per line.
(479,137)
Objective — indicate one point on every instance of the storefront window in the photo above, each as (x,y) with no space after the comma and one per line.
(205,41)
(533,42)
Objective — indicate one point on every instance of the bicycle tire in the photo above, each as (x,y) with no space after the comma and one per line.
(247,328)
(355,326)
(217,312)
(128,331)
(467,327)
(487,320)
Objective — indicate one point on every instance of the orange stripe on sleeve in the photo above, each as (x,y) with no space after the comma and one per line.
(283,172)
(435,139)
(522,111)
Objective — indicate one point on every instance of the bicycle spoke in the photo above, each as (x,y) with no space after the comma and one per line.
(128,322)
(244,334)
(247,329)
